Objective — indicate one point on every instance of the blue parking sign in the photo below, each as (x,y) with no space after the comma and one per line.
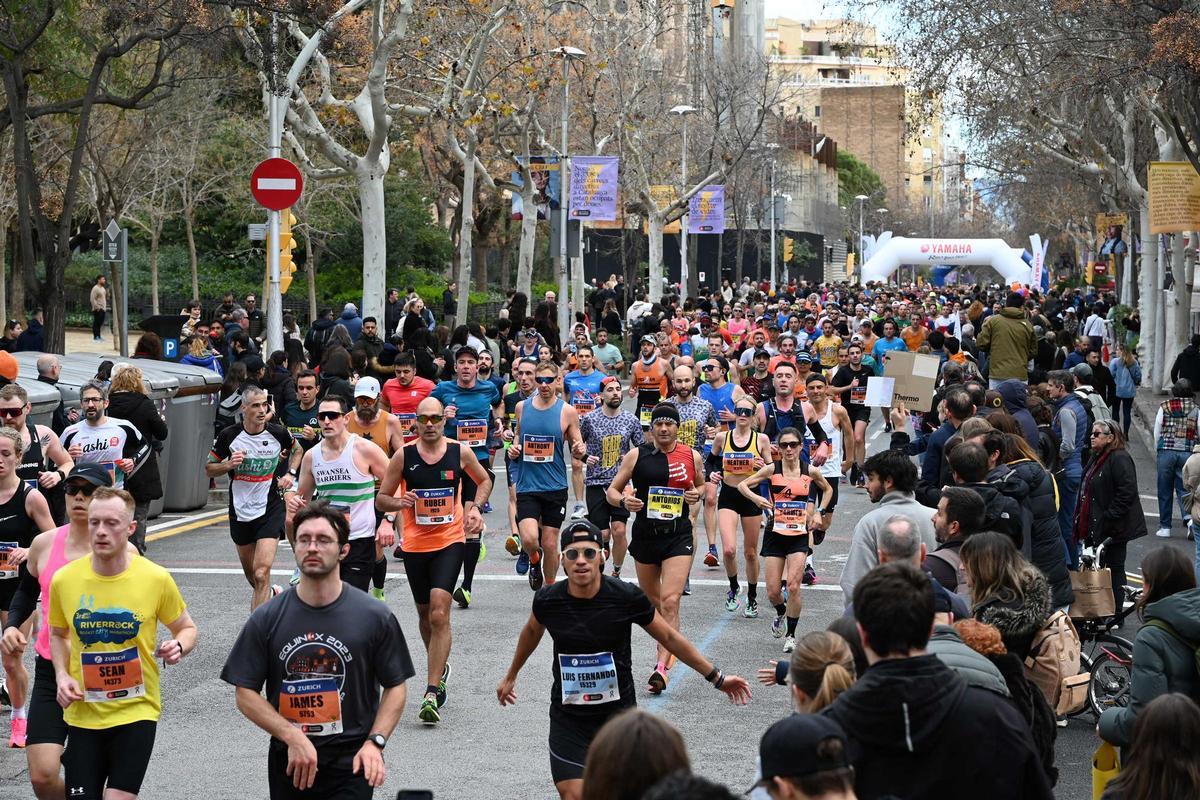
(171,348)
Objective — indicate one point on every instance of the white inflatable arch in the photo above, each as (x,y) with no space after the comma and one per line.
(888,253)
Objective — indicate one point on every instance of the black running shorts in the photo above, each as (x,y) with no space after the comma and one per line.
(436,569)
(115,757)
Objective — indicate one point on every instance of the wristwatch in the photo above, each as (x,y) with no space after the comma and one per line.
(378,739)
(390,517)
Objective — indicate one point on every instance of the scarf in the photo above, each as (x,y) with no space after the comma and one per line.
(1083,509)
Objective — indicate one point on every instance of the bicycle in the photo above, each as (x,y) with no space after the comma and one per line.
(1106,657)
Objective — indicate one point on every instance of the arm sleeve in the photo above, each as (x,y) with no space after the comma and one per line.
(391,662)
(1124,490)
(24,600)
(1066,421)
(154,421)
(246,665)
(818,432)
(220,448)
(861,559)
(136,447)
(984,340)
(1158,421)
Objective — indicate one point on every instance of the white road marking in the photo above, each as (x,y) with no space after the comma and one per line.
(177,521)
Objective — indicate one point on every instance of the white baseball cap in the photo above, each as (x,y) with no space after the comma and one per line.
(367,387)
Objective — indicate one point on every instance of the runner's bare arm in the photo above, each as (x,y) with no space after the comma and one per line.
(514,449)
(369,758)
(527,642)
(692,494)
(841,418)
(38,510)
(58,455)
(386,499)
(615,491)
(736,688)
(305,489)
(823,485)
(302,755)
(747,486)
(571,432)
(395,433)
(60,653)
(183,639)
(471,466)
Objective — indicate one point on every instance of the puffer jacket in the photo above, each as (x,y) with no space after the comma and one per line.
(972,667)
(1010,343)
(1191,482)
(1018,618)
(1015,395)
(1045,546)
(1162,662)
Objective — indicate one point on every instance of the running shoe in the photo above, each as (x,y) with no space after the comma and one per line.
(579,512)
(441,690)
(513,545)
(710,558)
(731,600)
(789,644)
(687,587)
(659,679)
(535,574)
(751,610)
(522,563)
(462,597)
(482,553)
(377,593)
(295,576)
(486,508)
(810,576)
(777,627)
(429,710)
(17,736)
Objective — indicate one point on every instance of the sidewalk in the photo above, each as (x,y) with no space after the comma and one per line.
(79,340)
(1145,407)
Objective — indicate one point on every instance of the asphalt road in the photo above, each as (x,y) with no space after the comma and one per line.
(205,748)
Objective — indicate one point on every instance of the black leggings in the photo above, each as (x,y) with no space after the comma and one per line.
(436,569)
(1113,557)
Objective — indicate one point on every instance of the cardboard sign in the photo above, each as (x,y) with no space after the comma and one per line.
(915,375)
(880,392)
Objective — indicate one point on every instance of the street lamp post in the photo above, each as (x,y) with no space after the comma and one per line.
(881,211)
(862,199)
(567,54)
(773,147)
(683,111)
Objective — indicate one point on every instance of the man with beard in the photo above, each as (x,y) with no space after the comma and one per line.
(113,443)
(697,418)
(524,372)
(960,513)
(786,411)
(609,434)
(849,385)
(403,393)
(384,430)
(582,388)
(649,383)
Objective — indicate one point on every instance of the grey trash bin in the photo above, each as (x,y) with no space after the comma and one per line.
(43,399)
(191,414)
(69,380)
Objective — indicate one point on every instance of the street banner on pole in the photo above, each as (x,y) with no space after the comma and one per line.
(547,181)
(594,188)
(663,196)
(706,210)
(1174,188)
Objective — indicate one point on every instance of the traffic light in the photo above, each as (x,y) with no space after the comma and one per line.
(287,243)
(789,249)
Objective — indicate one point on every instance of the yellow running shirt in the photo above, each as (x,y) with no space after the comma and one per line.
(114,634)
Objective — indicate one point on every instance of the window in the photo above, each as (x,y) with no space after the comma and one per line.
(817,112)
(927,154)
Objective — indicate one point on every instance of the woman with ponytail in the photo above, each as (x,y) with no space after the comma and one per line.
(822,667)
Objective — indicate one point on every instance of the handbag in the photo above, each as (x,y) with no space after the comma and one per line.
(1106,764)
(1093,594)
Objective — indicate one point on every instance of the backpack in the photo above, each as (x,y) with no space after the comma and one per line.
(1053,665)
(1163,625)
(952,558)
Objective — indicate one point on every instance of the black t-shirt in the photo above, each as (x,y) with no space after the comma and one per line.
(591,642)
(845,376)
(327,663)
(295,418)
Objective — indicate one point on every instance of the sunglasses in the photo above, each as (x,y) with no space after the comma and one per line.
(544,380)
(330,415)
(710,367)
(86,489)
(743,412)
(1099,433)
(429,419)
(589,553)
(11,413)
(788,445)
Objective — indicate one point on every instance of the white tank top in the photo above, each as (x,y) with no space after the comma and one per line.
(832,468)
(341,483)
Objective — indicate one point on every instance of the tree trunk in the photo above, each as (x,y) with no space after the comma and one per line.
(466,231)
(370,197)
(479,271)
(739,256)
(1179,328)
(528,240)
(156,227)
(4,261)
(53,307)
(654,226)
(17,299)
(310,275)
(189,226)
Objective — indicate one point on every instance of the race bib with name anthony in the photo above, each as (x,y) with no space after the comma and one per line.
(537,449)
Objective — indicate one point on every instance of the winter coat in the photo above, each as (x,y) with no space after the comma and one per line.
(1114,510)
(209,361)
(972,667)
(1018,618)
(1010,343)
(318,336)
(137,409)
(916,729)
(1002,513)
(1045,536)
(352,322)
(1127,378)
(864,550)
(1016,396)
(1187,365)
(32,339)
(1191,482)
(1161,663)
(1031,703)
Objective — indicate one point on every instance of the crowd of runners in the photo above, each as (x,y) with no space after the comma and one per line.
(741,413)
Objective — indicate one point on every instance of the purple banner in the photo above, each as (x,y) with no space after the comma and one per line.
(593,188)
(706,210)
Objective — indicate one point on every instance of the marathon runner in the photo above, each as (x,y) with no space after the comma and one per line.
(649,383)
(471,404)
(608,355)
(722,395)
(589,617)
(835,421)
(849,384)
(386,431)
(23,514)
(41,448)
(667,478)
(757,381)
(333,664)
(344,470)
(544,426)
(46,734)
(104,615)
(403,393)
(609,434)
(781,412)
(793,518)
(737,451)
(260,459)
(523,370)
(98,438)
(423,483)
(582,388)
(300,415)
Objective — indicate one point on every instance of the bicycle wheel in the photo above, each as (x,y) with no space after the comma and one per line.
(1110,682)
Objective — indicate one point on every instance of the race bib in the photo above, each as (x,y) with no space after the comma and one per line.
(8,569)
(408,424)
(790,516)
(644,414)
(472,432)
(434,506)
(664,503)
(584,402)
(737,463)
(312,705)
(537,449)
(588,680)
(109,676)
(858,395)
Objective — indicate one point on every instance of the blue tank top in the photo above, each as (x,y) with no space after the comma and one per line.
(721,400)
(542,466)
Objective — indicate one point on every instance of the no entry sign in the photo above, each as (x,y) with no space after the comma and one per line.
(276,184)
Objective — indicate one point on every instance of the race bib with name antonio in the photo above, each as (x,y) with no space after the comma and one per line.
(664,503)
(313,705)
(434,506)
(588,679)
(109,676)
(537,449)
(644,415)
